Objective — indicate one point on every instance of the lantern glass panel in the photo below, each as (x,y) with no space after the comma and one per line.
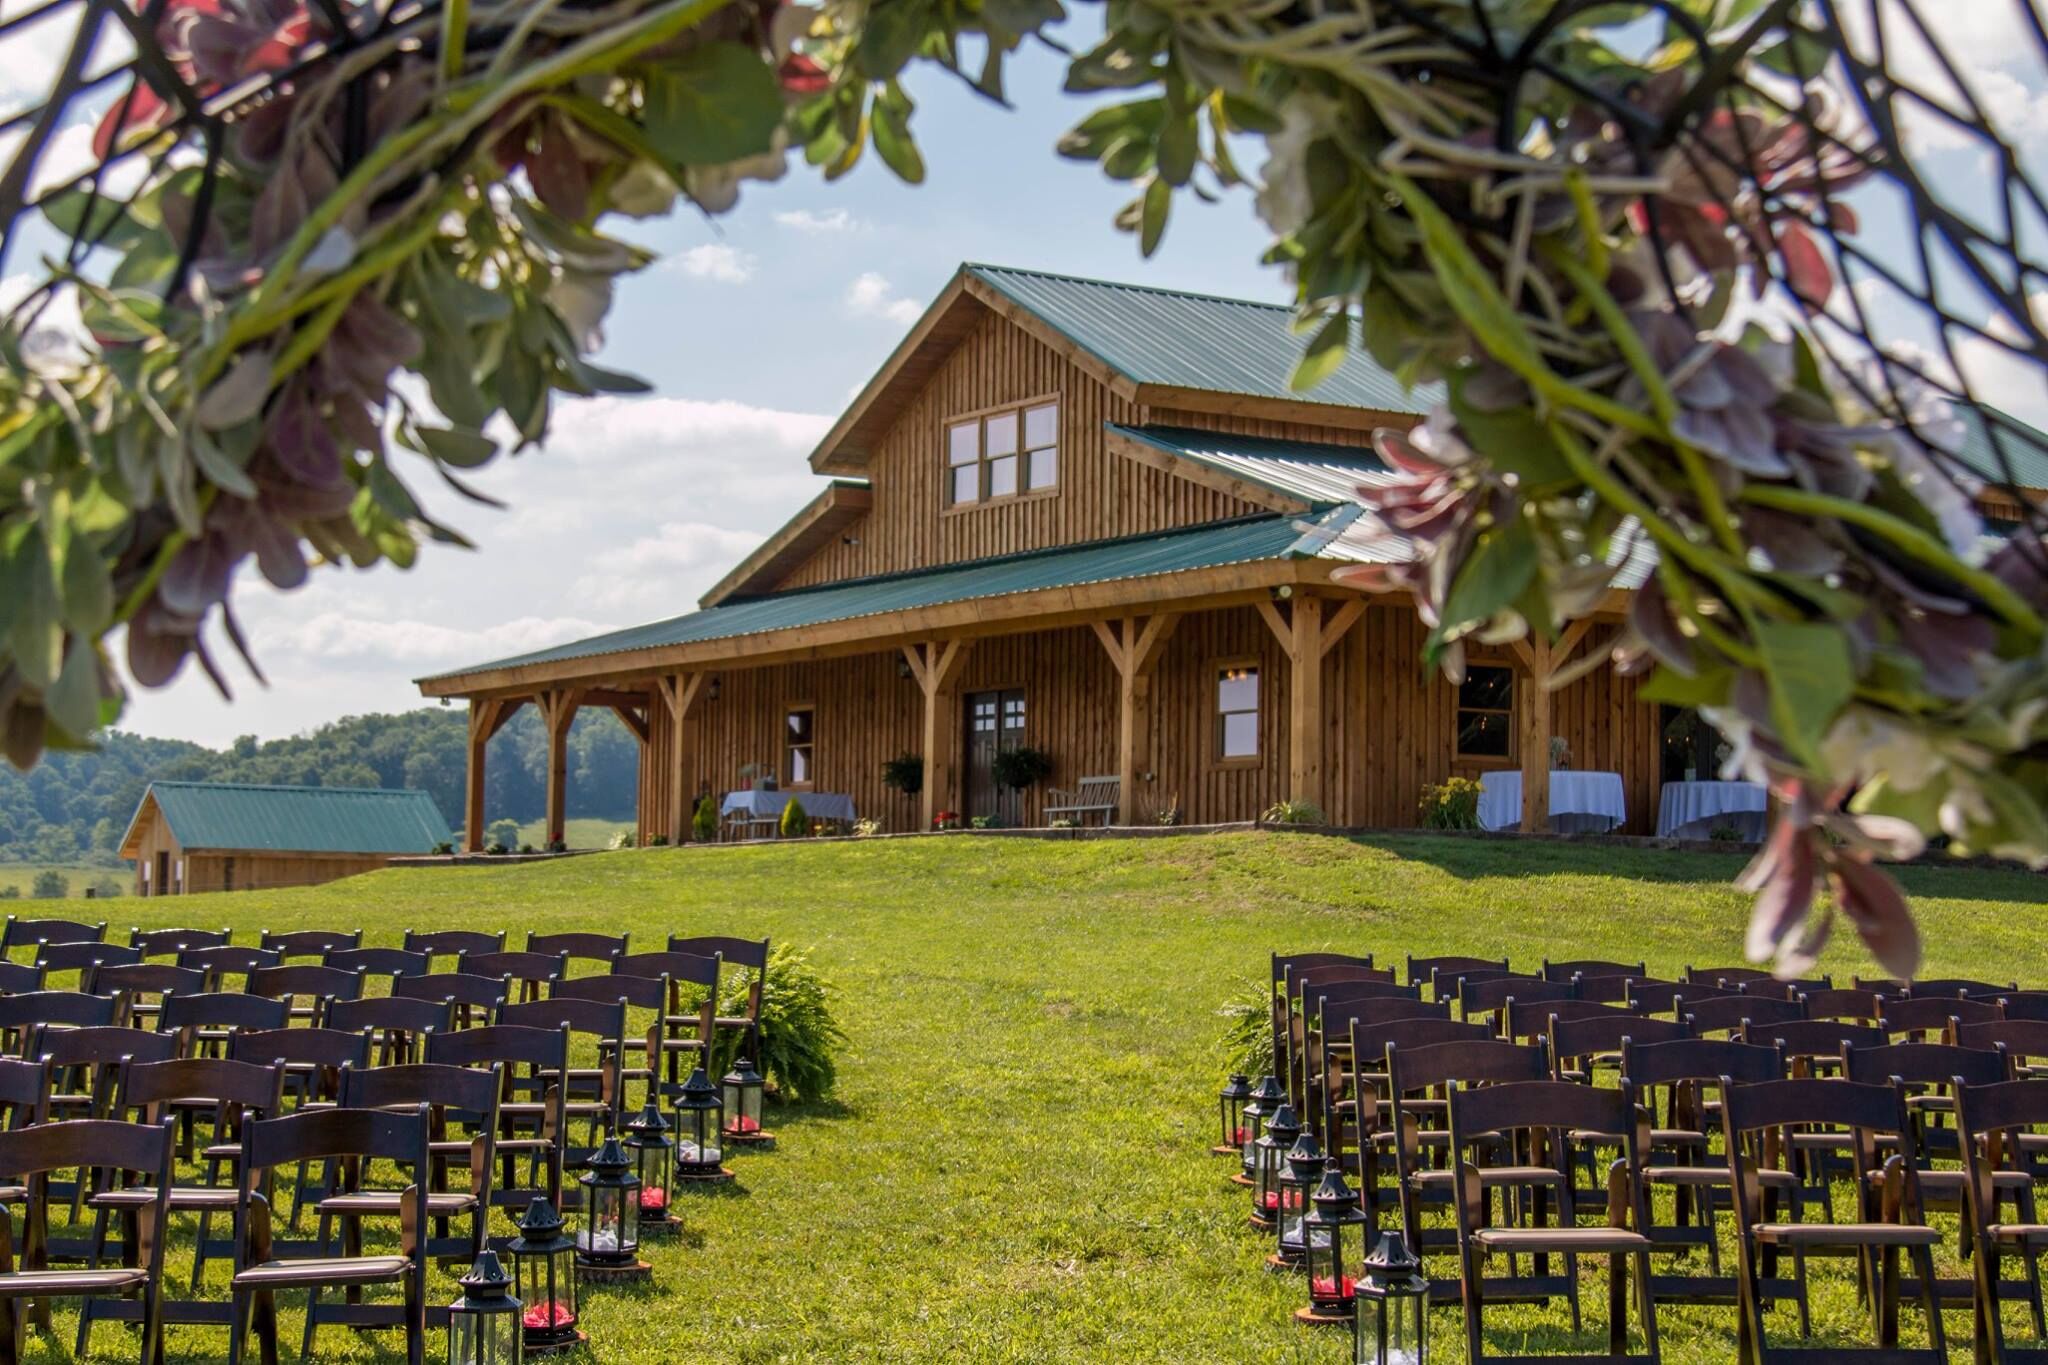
(607,1227)
(651,1165)
(484,1339)
(545,1284)
(1389,1329)
(1331,1278)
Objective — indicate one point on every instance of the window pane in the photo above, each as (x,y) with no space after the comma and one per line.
(963,443)
(1042,426)
(1237,689)
(800,764)
(967,483)
(1483,734)
(799,724)
(1002,476)
(1486,688)
(1002,434)
(1044,467)
(1241,734)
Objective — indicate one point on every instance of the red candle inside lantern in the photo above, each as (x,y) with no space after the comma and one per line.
(1323,1289)
(653,1199)
(1237,1135)
(1270,1199)
(545,1315)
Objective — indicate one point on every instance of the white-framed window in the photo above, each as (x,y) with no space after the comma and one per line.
(799,744)
(1486,713)
(1003,453)
(1237,711)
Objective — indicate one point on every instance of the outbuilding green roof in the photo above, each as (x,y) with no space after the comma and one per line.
(2024,447)
(244,815)
(1241,541)
(1192,341)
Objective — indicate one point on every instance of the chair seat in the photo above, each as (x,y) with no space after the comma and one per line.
(1846,1234)
(1559,1239)
(1494,1175)
(1677,1137)
(182,1197)
(60,1283)
(440,1203)
(2019,1234)
(1712,1175)
(322,1271)
(1829,1140)
(733,1021)
(1951,1184)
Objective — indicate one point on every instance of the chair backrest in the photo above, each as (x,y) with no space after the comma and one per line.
(143,978)
(641,992)
(1807,1039)
(2024,1004)
(143,1148)
(1709,976)
(593,1018)
(1615,990)
(82,957)
(1662,997)
(1284,964)
(19,933)
(227,959)
(1343,992)
(1572,1039)
(1841,1002)
(313,943)
(1464,1061)
(1523,1020)
(579,945)
(1919,1064)
(521,967)
(464,988)
(1926,1014)
(1421,971)
(242,1088)
(1591,966)
(379,961)
(222,1009)
(2022,1039)
(1772,988)
(24,1091)
(472,1091)
(318,1134)
(1484,997)
(1369,1042)
(1700,1059)
(391,1012)
(1445,982)
(1885,987)
(1311,981)
(1480,1113)
(680,968)
(512,1044)
(1958,985)
(1820,1103)
(16,977)
(301,980)
(752,953)
(2007,1107)
(99,1046)
(74,1009)
(1335,1017)
(453,942)
(328,1048)
(1728,1013)
(170,942)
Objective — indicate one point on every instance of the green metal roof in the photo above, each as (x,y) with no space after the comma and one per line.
(1241,541)
(242,815)
(2025,447)
(1311,470)
(1192,341)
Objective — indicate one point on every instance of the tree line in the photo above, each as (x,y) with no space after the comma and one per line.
(73,807)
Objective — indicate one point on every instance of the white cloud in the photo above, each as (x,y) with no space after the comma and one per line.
(649,576)
(809,220)
(872,296)
(717,262)
(335,635)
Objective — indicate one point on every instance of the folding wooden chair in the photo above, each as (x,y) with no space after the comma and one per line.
(27,1157)
(527,972)
(314,1059)
(2030,1005)
(1486,1000)
(1446,984)
(226,961)
(593,1094)
(155,943)
(17,977)
(475,999)
(684,1030)
(1328,1049)
(1299,989)
(1525,1021)
(1287,1058)
(1997,1123)
(311,944)
(533,1130)
(203,1023)
(1923,1018)
(1582,1045)
(154,1093)
(647,995)
(1591,966)
(579,945)
(1848,1005)
(1748,1113)
(1814,1047)
(77,960)
(379,962)
(1373,1106)
(747,955)
(344,1139)
(397,1022)
(305,988)
(139,988)
(1421,971)
(438,943)
(31,933)
(1539,1117)
(2025,1042)
(457,1098)
(22,1014)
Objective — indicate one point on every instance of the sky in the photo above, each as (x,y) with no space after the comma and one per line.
(755,330)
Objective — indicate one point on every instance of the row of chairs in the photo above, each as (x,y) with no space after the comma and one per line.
(1723,1093)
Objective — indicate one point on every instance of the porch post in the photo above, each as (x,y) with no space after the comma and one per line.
(1133,650)
(936,666)
(1534,737)
(557,710)
(678,692)
(484,721)
(1305,702)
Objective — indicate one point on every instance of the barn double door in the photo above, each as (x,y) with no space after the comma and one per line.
(995,722)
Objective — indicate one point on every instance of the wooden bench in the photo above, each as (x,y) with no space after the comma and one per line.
(1095,796)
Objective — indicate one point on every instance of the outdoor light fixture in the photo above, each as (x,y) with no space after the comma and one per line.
(712,691)
(609,1246)
(699,1131)
(483,1325)
(902,667)
(1392,1306)
(652,1151)
(743,1089)
(544,1278)
(1333,1245)
(1266,1097)
(1300,1173)
(1230,1138)
(1270,1155)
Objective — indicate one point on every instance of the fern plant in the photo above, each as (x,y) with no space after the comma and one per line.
(905,773)
(1247,1038)
(1294,813)
(800,1039)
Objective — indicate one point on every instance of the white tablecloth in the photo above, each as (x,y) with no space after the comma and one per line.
(1691,810)
(770,805)
(1580,802)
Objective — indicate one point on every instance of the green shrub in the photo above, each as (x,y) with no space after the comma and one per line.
(621,838)
(50,885)
(986,822)
(444,847)
(905,773)
(10,892)
(796,821)
(800,1039)
(1294,813)
(1021,767)
(1247,1040)
(657,841)
(1452,804)
(504,832)
(494,848)
(704,824)
(105,888)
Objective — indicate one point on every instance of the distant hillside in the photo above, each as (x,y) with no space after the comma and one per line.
(74,807)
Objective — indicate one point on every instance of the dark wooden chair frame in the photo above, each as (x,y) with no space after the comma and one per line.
(1994,1120)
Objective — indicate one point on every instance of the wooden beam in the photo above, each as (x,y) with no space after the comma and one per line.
(1362,420)
(1144,654)
(1569,641)
(678,693)
(1305,702)
(1194,471)
(1340,621)
(1133,650)
(633,720)
(1534,737)
(504,715)
(936,666)
(1275,622)
(558,710)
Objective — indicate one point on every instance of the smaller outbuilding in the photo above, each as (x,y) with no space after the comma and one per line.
(237,836)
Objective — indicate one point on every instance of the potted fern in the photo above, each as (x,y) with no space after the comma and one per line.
(904,773)
(1021,767)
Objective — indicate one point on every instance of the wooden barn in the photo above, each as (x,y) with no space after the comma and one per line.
(1092,519)
(233,836)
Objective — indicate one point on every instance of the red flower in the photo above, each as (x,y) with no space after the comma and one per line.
(802,76)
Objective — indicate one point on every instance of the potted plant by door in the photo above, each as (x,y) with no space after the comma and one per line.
(1021,767)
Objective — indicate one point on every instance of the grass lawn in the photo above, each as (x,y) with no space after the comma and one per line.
(578,833)
(1015,1167)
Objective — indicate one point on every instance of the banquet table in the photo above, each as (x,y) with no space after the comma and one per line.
(1692,810)
(1580,802)
(769,805)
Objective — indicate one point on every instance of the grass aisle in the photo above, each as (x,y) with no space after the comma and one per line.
(1014,1167)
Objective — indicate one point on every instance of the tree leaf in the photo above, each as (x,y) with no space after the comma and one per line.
(713,104)
(73,700)
(893,142)
(1515,440)
(1158,202)
(1325,354)
(1811,677)
(88,586)
(223,472)
(1500,566)
(458,446)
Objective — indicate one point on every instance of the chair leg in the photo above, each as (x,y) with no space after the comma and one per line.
(238,1324)
(1474,1294)
(1646,1308)
(312,1322)
(85,1315)
(1930,1299)
(1617,1304)
(152,1323)
(1888,1299)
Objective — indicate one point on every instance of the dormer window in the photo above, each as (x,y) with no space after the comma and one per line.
(1003,453)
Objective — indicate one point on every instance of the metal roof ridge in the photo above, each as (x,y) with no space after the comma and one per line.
(187,783)
(980,266)
(1152,432)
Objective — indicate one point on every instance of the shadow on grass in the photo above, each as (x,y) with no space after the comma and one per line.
(1475,859)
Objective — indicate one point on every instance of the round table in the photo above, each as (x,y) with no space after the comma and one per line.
(1693,810)
(1580,802)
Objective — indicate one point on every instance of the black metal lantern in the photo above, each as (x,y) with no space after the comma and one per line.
(483,1325)
(652,1152)
(1333,1248)
(700,1123)
(743,1089)
(544,1278)
(1392,1306)
(1230,1137)
(608,1248)
(1300,1173)
(1266,1097)
(1270,1155)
